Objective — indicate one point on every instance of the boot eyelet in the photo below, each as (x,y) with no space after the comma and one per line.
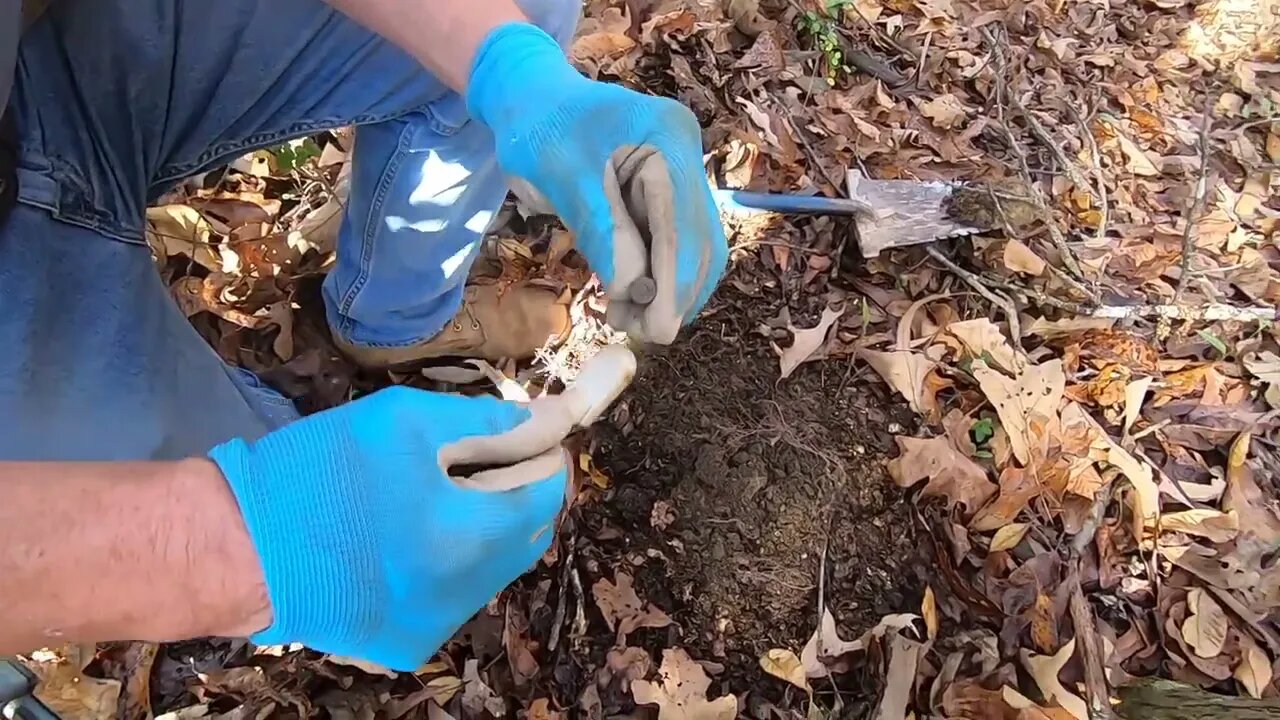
(475,325)
(457,327)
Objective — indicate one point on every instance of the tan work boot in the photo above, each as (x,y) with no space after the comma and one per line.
(492,324)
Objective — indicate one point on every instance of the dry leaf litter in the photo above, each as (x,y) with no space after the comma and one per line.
(1033,471)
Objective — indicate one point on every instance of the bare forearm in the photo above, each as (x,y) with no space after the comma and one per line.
(123,551)
(442,34)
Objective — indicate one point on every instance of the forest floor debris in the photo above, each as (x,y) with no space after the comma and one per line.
(1033,472)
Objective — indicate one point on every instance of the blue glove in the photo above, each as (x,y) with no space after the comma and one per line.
(369,550)
(622,169)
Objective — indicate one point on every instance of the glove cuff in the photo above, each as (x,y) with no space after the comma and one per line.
(516,61)
(308,515)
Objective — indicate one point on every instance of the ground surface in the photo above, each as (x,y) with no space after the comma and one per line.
(762,479)
(1011,475)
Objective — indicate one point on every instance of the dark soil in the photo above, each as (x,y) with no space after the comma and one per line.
(769,482)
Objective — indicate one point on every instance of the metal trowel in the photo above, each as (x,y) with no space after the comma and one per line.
(887,213)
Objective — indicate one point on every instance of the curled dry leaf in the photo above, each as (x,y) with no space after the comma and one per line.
(905,372)
(825,644)
(67,690)
(1245,497)
(362,665)
(682,692)
(182,230)
(1020,258)
(1008,537)
(900,678)
(437,691)
(929,611)
(622,608)
(1044,670)
(944,111)
(983,339)
(540,709)
(477,697)
(1025,403)
(1215,525)
(629,664)
(1205,628)
(784,664)
(807,341)
(951,474)
(1254,671)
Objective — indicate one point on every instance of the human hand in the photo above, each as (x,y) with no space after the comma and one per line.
(622,169)
(368,548)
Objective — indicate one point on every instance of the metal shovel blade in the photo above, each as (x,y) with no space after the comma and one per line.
(904,212)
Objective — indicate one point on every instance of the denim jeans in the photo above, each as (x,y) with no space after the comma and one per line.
(119,100)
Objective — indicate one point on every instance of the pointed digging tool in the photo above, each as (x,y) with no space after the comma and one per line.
(887,213)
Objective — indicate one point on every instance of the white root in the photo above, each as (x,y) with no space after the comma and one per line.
(531,451)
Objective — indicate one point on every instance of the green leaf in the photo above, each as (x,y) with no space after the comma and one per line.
(295,153)
(982,431)
(1213,340)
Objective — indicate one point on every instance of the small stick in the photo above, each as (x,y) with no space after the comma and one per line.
(1197,207)
(924,53)
(1030,294)
(1090,646)
(1210,312)
(557,622)
(1099,180)
(1003,96)
(974,281)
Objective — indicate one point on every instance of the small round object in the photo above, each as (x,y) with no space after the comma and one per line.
(643,291)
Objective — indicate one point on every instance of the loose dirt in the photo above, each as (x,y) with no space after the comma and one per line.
(764,484)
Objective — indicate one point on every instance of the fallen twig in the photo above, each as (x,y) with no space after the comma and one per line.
(1099,180)
(976,282)
(557,622)
(1003,96)
(1197,207)
(924,54)
(1211,312)
(1090,646)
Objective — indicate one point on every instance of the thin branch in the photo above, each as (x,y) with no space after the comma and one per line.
(978,284)
(1197,207)
(1003,97)
(1031,295)
(924,54)
(1099,180)
(1260,121)
(1211,312)
(1090,645)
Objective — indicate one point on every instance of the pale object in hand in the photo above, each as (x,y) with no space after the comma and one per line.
(532,450)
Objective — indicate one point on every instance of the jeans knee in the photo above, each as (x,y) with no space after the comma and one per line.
(559,18)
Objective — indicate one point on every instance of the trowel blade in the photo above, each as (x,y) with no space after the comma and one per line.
(907,212)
